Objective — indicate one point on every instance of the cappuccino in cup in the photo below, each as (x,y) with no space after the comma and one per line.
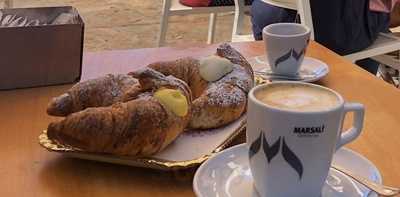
(297,97)
(293,130)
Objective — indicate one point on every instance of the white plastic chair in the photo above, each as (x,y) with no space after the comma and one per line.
(385,43)
(237,34)
(173,8)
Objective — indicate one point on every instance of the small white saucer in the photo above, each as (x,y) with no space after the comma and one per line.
(227,174)
(310,67)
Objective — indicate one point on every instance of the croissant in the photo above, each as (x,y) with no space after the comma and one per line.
(99,92)
(142,126)
(216,103)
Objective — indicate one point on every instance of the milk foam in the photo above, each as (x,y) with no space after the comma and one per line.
(297,97)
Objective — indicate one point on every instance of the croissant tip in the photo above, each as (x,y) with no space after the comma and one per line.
(60,106)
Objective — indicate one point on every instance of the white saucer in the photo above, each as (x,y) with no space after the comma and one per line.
(310,66)
(227,174)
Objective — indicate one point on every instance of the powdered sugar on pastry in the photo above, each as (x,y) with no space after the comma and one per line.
(238,77)
(219,98)
(225,95)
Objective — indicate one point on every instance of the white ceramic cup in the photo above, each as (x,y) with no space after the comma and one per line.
(286,162)
(286,44)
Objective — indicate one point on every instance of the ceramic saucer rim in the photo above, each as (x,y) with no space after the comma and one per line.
(196,178)
(312,79)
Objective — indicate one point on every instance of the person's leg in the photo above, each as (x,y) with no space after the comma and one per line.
(263,14)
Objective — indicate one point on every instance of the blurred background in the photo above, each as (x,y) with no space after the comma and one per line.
(123,24)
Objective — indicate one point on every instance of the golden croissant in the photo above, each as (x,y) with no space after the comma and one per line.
(99,92)
(218,102)
(141,126)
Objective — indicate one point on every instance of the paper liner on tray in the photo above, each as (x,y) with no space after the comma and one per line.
(188,150)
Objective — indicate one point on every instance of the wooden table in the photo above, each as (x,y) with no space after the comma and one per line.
(26,169)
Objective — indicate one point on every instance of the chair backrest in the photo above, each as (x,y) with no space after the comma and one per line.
(289,4)
(304,10)
(239,14)
(237,34)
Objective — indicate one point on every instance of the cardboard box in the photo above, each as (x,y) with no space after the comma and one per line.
(40,49)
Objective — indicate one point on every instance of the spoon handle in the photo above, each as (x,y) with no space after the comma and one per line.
(376,187)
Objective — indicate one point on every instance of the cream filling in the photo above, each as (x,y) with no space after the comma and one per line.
(173,100)
(213,68)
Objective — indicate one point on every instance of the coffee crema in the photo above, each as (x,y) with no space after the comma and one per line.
(297,97)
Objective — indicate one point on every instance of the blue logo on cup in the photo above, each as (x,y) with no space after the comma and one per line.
(270,151)
(291,54)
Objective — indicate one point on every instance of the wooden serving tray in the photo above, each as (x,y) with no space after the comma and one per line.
(190,149)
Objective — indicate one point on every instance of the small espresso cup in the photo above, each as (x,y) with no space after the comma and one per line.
(286,44)
(291,149)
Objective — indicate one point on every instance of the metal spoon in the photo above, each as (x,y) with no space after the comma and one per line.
(376,187)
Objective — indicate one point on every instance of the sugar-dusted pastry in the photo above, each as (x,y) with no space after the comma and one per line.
(152,118)
(99,92)
(219,85)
